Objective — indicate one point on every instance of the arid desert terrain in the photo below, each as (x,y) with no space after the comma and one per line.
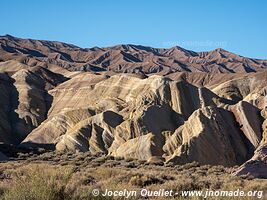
(129,116)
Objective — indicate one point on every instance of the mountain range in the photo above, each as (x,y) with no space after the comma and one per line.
(132,101)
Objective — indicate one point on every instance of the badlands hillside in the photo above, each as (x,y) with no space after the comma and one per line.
(160,105)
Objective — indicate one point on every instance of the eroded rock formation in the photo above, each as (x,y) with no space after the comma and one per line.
(257,165)
(171,105)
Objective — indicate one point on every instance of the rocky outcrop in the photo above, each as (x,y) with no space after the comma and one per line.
(210,136)
(131,101)
(149,125)
(94,134)
(152,117)
(152,105)
(257,166)
(133,116)
(258,97)
(241,87)
(48,133)
(6,85)
(25,101)
(250,121)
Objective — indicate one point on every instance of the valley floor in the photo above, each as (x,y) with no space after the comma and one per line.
(56,176)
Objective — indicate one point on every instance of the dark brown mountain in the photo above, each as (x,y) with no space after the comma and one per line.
(124,58)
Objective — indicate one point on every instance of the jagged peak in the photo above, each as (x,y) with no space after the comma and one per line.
(8,36)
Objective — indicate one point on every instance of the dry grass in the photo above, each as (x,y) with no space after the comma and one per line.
(35,181)
(56,176)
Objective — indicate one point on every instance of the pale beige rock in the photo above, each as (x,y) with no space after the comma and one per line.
(12,66)
(257,98)
(153,105)
(208,137)
(148,125)
(142,147)
(239,88)
(51,129)
(249,119)
(257,166)
(120,91)
(94,134)
(74,93)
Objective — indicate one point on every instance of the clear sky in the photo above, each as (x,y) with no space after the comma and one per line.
(239,26)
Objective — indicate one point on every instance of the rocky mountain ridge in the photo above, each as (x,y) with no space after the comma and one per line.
(125,58)
(170,105)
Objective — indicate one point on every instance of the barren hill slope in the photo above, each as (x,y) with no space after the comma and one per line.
(125,58)
(167,105)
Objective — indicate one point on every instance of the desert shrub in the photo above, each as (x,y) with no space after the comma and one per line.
(37,183)
(156,161)
(216,169)
(111,163)
(110,157)
(88,159)
(143,180)
(130,164)
(106,173)
(64,163)
(101,159)
(22,155)
(191,165)
(30,159)
(169,164)
(79,157)
(75,181)
(118,158)
(141,162)
(129,159)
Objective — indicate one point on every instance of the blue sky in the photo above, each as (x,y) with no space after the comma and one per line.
(239,26)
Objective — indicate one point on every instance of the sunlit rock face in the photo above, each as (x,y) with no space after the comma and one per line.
(129,116)
(170,105)
(257,165)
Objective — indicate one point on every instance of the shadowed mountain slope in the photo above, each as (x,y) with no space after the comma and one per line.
(125,58)
(160,105)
